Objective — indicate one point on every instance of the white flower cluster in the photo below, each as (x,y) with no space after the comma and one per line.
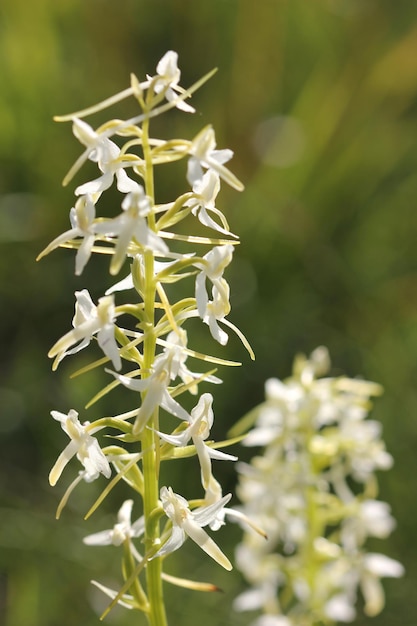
(314,492)
(154,343)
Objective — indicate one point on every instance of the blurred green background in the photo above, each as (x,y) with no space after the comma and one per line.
(318,99)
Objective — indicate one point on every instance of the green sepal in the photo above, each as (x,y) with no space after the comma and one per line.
(111,422)
(169,452)
(174,214)
(181,388)
(176,267)
(102,393)
(208,241)
(90,367)
(189,584)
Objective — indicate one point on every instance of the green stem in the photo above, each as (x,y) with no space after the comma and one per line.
(315,529)
(156,615)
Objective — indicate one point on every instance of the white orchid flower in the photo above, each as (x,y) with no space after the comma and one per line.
(201,421)
(166,80)
(176,356)
(157,394)
(83,445)
(123,530)
(205,192)
(90,320)
(167,366)
(370,518)
(131,224)
(82,217)
(107,155)
(204,154)
(215,262)
(216,309)
(190,523)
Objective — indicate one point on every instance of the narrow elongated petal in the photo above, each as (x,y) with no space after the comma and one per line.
(84,253)
(180,439)
(206,543)
(201,294)
(172,406)
(69,235)
(102,538)
(134,384)
(84,331)
(108,344)
(126,600)
(175,541)
(205,514)
(63,459)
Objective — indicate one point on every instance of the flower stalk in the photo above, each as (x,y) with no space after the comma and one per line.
(149,353)
(314,491)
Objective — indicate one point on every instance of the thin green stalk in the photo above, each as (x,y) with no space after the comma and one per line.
(315,529)
(157,614)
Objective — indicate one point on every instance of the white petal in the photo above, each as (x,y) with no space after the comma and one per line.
(373,594)
(219,455)
(339,608)
(206,543)
(168,65)
(122,285)
(194,171)
(63,459)
(181,439)
(95,186)
(108,344)
(249,600)
(135,384)
(96,461)
(127,601)
(103,538)
(382,565)
(201,294)
(83,254)
(204,515)
(175,541)
(216,332)
(169,404)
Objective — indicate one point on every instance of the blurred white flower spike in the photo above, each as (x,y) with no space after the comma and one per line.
(150,350)
(314,491)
